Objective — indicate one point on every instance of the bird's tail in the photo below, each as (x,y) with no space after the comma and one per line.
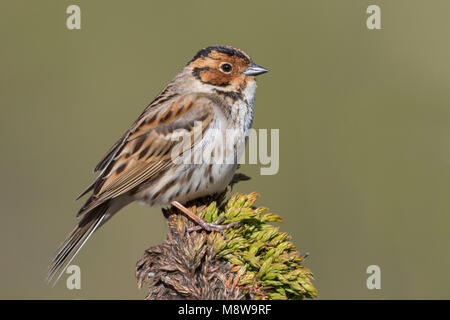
(76,239)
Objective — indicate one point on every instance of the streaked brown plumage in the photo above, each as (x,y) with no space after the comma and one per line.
(213,94)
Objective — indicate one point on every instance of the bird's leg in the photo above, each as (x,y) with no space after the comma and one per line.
(208,226)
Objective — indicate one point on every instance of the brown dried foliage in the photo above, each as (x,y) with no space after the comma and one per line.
(184,266)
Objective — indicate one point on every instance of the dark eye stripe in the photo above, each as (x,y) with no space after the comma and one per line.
(196,72)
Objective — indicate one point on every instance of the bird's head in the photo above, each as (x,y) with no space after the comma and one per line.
(225,68)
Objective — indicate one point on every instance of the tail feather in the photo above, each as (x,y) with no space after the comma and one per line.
(75,241)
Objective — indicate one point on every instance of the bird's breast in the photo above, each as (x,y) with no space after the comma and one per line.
(210,165)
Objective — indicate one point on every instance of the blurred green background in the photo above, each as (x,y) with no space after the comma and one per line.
(364,119)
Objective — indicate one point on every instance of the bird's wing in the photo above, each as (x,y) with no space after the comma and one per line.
(159,135)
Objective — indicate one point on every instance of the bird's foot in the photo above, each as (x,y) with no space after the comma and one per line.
(214,226)
(208,226)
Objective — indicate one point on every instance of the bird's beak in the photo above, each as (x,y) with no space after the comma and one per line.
(255,70)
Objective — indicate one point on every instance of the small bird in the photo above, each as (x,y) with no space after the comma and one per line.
(209,100)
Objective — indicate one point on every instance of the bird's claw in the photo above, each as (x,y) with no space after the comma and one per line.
(214,226)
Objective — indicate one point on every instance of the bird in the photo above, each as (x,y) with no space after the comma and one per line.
(207,110)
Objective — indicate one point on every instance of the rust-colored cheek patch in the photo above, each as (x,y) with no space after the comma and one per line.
(215,77)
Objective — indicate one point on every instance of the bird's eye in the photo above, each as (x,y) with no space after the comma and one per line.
(226,67)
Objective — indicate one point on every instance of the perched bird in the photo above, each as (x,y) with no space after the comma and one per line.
(211,98)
